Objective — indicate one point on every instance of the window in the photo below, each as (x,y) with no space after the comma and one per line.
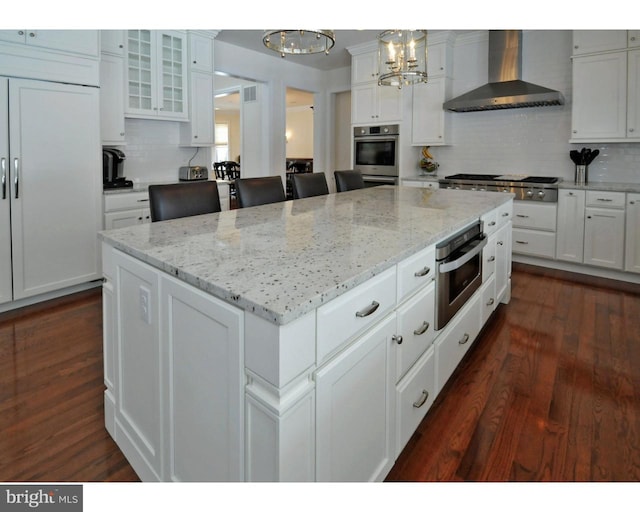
(222,142)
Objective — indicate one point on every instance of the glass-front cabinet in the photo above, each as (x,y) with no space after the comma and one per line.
(156,74)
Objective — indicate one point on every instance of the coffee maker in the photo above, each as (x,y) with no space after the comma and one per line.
(113,169)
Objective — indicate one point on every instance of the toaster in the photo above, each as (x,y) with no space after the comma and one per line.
(193,173)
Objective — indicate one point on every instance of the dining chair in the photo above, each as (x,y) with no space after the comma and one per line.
(175,200)
(257,191)
(309,185)
(348,180)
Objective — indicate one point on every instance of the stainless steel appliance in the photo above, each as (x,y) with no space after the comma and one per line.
(458,271)
(525,188)
(113,169)
(375,153)
(193,173)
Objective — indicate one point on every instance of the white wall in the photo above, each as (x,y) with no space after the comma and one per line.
(531,141)
(300,132)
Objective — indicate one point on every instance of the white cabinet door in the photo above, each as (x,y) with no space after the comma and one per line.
(592,41)
(112,100)
(364,68)
(374,103)
(632,240)
(355,410)
(138,415)
(599,109)
(6,293)
(203,377)
(604,237)
(200,53)
(633,98)
(503,260)
(389,103)
(126,218)
(56,207)
(430,123)
(199,130)
(156,76)
(633,38)
(73,41)
(570,234)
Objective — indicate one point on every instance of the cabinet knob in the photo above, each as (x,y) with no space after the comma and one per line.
(464,339)
(575,47)
(20,32)
(632,202)
(630,130)
(491,302)
(633,38)
(32,34)
(575,131)
(491,258)
(397,338)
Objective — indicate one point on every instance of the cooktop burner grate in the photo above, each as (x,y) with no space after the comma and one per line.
(502,177)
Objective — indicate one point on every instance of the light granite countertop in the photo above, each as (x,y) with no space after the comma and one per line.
(283,260)
(601,186)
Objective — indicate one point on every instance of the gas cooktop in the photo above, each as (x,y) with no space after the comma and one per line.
(525,188)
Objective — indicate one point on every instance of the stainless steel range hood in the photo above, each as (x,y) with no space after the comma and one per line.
(505,89)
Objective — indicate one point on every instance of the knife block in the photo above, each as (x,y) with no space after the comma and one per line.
(582,174)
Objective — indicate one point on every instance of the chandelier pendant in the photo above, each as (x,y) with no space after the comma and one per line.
(402,57)
(299,42)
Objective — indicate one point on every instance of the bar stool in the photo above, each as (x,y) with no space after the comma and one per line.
(348,180)
(176,200)
(309,185)
(257,191)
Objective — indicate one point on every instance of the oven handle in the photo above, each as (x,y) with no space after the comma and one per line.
(443,268)
(389,180)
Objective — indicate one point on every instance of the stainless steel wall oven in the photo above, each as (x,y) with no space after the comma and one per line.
(375,150)
(458,271)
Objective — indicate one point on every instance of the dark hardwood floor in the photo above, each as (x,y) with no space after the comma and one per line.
(550,391)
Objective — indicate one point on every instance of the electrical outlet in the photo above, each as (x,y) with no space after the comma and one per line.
(145,305)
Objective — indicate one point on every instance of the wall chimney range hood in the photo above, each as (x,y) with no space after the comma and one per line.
(505,89)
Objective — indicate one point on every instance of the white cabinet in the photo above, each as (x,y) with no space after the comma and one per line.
(375,103)
(591,228)
(84,42)
(431,124)
(408,182)
(156,74)
(534,226)
(632,238)
(592,41)
(112,100)
(355,410)
(50,200)
(126,209)
(604,229)
(570,234)
(606,109)
(177,397)
(364,68)
(633,38)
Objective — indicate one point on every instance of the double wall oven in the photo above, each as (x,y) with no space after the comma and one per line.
(375,154)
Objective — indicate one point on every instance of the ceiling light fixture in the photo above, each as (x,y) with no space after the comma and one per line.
(299,42)
(402,57)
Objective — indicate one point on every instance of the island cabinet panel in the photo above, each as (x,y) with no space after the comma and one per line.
(355,410)
(632,239)
(138,421)
(203,387)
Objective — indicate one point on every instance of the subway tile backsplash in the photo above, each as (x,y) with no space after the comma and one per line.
(153,151)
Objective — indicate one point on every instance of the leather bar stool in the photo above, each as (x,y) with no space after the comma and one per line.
(348,180)
(257,191)
(309,185)
(176,200)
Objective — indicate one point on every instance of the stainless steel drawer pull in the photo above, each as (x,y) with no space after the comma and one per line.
(464,339)
(397,338)
(16,178)
(492,258)
(492,223)
(421,401)
(604,200)
(500,242)
(423,272)
(422,329)
(143,200)
(370,309)
(522,216)
(490,302)
(521,242)
(505,214)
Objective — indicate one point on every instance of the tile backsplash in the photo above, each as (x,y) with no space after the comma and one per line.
(153,152)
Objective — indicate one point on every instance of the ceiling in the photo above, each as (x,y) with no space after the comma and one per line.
(338,56)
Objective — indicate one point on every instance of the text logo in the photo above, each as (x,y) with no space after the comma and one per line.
(49,498)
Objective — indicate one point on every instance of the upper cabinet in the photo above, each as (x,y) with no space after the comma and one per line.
(156,74)
(606,96)
(83,42)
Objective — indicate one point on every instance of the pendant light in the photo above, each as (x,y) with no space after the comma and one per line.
(402,57)
(299,42)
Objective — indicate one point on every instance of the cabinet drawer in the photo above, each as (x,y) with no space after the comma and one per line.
(534,243)
(489,222)
(125,201)
(414,396)
(489,300)
(535,216)
(606,199)
(416,271)
(455,340)
(416,326)
(489,259)
(354,312)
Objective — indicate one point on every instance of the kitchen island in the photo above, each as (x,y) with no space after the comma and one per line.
(267,343)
